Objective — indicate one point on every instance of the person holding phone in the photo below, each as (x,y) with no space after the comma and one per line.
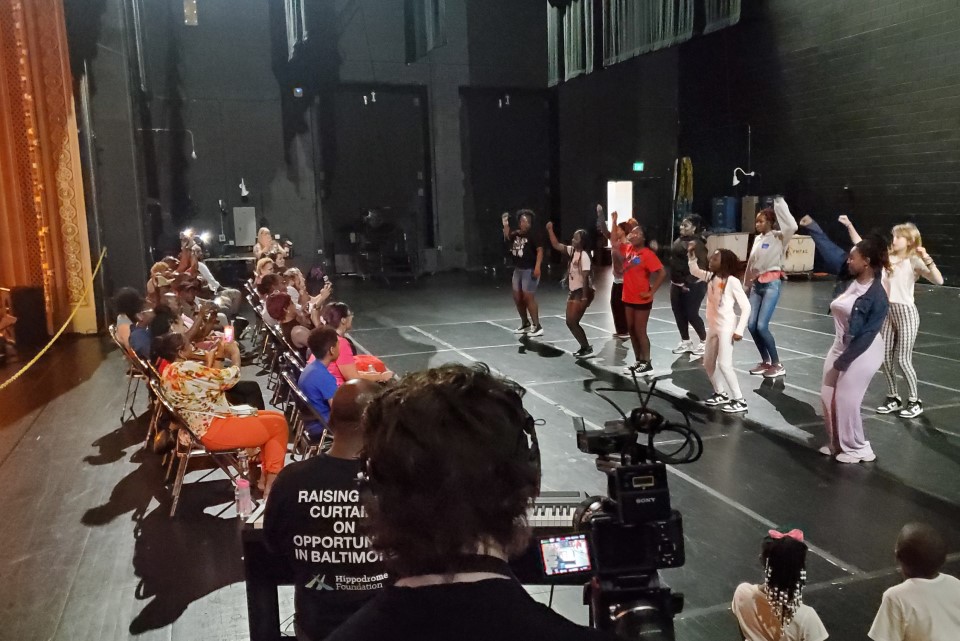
(198,390)
(526,248)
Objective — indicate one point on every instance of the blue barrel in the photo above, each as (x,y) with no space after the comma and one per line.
(726,214)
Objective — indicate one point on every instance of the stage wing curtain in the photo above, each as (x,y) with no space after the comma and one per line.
(553,44)
(578,38)
(426,23)
(720,14)
(43,230)
(296,25)
(633,28)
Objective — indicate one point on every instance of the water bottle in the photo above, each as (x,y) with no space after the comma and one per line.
(244,502)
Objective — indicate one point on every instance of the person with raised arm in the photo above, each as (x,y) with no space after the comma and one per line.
(580,283)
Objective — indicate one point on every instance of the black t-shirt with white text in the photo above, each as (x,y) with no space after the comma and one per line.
(523,248)
(494,609)
(312,519)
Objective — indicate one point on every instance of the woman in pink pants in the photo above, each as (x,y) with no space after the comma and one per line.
(857,352)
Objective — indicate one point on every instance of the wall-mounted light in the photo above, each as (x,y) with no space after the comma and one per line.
(736,181)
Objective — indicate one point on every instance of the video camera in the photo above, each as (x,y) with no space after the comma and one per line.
(632,532)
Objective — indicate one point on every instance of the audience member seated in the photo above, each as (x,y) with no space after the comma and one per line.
(293,325)
(197,391)
(187,260)
(160,282)
(226,299)
(349,366)
(926,606)
(333,581)
(191,304)
(316,382)
(774,611)
(270,284)
(264,266)
(128,304)
(430,443)
(296,285)
(167,319)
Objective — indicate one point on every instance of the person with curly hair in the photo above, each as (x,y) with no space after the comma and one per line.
(449,475)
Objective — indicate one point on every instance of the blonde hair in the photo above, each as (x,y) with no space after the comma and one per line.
(263,262)
(158,268)
(910,233)
(262,231)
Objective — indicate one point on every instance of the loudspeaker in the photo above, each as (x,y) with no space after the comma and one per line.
(28,307)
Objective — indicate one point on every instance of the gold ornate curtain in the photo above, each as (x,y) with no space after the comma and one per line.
(43,230)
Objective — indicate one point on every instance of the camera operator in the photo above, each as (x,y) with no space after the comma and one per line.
(449,477)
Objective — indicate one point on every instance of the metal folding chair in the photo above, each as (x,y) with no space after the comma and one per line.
(134,376)
(301,413)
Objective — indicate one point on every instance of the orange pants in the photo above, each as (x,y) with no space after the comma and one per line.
(267,430)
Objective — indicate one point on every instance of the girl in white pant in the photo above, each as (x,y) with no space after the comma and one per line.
(724,328)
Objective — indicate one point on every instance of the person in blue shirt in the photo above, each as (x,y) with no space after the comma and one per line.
(316,382)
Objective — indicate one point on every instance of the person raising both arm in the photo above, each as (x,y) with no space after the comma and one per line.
(909,261)
(763,279)
(526,248)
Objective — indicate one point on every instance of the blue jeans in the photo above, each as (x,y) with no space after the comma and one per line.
(763,302)
(832,256)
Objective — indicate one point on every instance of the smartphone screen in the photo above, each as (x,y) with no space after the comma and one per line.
(565,554)
(228,334)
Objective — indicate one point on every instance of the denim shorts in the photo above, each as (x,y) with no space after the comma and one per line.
(523,280)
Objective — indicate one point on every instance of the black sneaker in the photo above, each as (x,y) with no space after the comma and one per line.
(735,406)
(891,405)
(912,410)
(584,352)
(642,367)
(717,399)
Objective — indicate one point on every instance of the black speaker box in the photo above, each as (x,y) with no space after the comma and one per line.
(28,306)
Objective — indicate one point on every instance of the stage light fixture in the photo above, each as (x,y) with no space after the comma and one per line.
(736,181)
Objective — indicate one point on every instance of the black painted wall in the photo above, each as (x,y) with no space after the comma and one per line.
(854,107)
(608,120)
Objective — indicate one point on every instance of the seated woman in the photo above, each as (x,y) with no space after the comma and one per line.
(294,327)
(348,365)
(266,246)
(264,267)
(774,610)
(197,390)
(128,304)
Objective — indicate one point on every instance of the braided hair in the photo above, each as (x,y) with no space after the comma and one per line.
(785,574)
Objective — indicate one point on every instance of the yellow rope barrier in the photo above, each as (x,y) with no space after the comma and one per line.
(60,331)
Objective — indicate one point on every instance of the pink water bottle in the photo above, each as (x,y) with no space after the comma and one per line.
(244,502)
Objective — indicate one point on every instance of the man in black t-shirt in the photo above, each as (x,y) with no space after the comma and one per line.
(526,247)
(313,517)
(449,476)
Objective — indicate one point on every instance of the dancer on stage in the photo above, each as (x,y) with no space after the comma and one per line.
(763,278)
(616,289)
(639,265)
(723,327)
(527,251)
(686,290)
(857,352)
(580,282)
(909,262)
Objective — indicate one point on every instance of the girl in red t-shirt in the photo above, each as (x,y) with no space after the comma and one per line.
(642,276)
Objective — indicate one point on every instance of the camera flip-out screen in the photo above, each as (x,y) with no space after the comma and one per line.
(565,555)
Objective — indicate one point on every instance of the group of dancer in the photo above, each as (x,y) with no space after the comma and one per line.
(875,318)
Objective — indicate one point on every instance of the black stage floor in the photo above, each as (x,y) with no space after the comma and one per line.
(89,553)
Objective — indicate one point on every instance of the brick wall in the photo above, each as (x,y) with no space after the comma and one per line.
(854,107)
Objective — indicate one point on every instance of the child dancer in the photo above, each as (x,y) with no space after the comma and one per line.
(581,287)
(763,279)
(686,290)
(639,265)
(723,326)
(909,261)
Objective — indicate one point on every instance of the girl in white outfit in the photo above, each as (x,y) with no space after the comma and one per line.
(724,328)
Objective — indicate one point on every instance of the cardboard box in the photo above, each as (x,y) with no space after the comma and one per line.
(737,243)
(798,258)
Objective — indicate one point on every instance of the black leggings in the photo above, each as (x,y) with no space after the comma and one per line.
(686,308)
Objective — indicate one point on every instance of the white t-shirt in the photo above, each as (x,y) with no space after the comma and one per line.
(919,610)
(900,283)
(579,266)
(758,623)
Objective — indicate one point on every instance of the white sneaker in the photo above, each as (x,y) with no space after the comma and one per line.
(826,451)
(843,457)
(683,348)
(536,331)
(523,329)
(699,349)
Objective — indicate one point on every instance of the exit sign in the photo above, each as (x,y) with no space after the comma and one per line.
(638,166)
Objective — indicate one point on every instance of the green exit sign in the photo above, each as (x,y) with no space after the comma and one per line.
(638,166)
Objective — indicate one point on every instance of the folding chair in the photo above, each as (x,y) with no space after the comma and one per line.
(233,462)
(134,376)
(302,412)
